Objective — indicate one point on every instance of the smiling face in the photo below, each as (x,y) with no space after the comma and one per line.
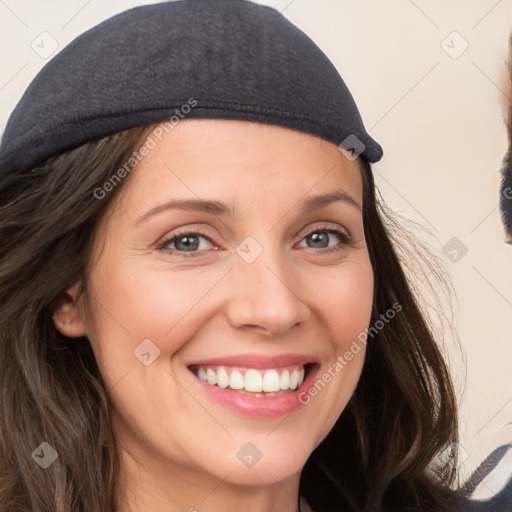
(256,294)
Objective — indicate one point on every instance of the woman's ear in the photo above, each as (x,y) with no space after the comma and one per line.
(67,315)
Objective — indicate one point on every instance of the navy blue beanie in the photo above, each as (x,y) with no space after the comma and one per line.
(222,59)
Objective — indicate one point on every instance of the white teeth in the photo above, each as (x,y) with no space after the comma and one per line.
(236,380)
(285,380)
(294,379)
(211,376)
(271,381)
(201,373)
(222,378)
(255,381)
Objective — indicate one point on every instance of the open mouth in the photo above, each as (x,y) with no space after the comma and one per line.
(254,381)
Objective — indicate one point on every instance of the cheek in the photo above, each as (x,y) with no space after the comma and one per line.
(344,306)
(143,316)
(345,303)
(138,303)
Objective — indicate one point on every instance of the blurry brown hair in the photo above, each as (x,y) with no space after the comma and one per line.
(506,168)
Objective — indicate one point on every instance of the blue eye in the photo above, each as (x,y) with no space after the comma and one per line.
(321,236)
(184,242)
(188,243)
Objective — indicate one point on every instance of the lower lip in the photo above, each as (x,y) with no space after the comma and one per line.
(263,407)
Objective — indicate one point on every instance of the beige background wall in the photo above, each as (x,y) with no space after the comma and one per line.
(437,109)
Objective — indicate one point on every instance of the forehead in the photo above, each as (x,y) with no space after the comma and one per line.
(240,162)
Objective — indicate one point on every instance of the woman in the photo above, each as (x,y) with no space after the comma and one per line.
(201,304)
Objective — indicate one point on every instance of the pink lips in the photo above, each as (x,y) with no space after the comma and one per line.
(259,406)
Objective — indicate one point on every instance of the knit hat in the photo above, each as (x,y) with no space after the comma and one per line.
(216,59)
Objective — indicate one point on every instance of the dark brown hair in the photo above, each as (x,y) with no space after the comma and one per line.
(377,456)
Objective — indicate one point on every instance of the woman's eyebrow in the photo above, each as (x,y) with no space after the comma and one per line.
(220,208)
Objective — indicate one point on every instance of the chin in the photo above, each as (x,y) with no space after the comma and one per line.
(271,462)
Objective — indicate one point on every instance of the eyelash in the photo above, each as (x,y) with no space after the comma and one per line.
(346,239)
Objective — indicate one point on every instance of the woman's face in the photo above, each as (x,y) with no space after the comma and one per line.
(244,285)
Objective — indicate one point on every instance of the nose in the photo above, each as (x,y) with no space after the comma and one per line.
(265,295)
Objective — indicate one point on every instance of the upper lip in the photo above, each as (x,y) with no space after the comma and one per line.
(257,361)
